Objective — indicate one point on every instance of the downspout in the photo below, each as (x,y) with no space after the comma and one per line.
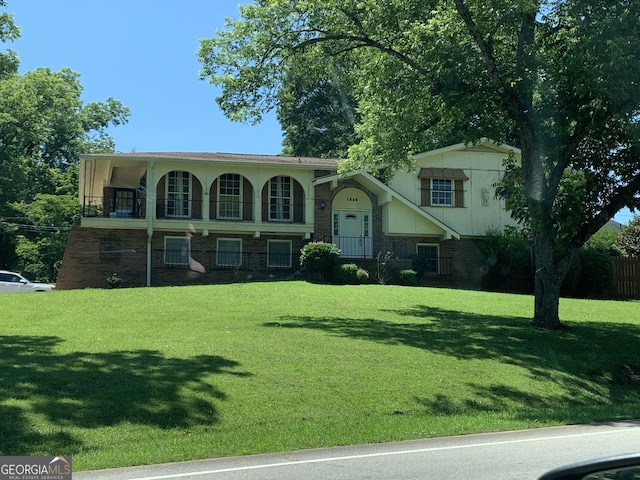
(150,182)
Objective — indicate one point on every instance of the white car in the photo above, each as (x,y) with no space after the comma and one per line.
(11,282)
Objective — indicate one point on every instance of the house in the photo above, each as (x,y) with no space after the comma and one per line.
(184,218)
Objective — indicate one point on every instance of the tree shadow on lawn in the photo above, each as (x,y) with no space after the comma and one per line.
(89,390)
(594,363)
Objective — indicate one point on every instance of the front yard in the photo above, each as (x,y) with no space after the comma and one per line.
(134,376)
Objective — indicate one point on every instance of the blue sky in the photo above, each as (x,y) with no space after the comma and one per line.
(143,53)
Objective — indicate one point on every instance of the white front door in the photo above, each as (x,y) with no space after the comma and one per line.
(354,239)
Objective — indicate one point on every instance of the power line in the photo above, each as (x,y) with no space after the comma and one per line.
(35,228)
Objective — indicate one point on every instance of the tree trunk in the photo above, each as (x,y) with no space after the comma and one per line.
(549,275)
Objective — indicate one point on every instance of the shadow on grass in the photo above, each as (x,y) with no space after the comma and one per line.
(594,364)
(98,389)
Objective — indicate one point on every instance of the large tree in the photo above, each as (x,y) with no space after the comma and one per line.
(558,77)
(8,32)
(316,108)
(629,239)
(44,127)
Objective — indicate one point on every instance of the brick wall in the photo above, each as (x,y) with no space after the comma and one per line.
(92,255)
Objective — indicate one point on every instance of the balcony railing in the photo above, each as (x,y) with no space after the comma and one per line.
(108,208)
(231,211)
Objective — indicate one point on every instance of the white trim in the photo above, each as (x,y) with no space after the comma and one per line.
(442,193)
(388,194)
(437,245)
(239,253)
(269,242)
(499,147)
(186,255)
(280,208)
(180,195)
(239,197)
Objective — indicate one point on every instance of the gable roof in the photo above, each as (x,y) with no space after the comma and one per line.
(484,144)
(386,194)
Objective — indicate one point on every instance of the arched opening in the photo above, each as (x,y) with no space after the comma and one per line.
(352,223)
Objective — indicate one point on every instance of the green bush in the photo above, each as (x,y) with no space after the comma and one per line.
(590,275)
(597,273)
(320,258)
(507,259)
(363,275)
(408,277)
(346,274)
(114,280)
(350,274)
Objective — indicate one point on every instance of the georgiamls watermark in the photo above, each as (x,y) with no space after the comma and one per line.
(35,468)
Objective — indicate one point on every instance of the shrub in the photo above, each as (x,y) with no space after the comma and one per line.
(363,275)
(408,277)
(605,240)
(320,258)
(597,273)
(506,258)
(346,274)
(590,274)
(114,280)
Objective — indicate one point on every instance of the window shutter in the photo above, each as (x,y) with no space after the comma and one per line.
(459,193)
(425,192)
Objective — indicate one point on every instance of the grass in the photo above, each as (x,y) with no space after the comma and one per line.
(137,376)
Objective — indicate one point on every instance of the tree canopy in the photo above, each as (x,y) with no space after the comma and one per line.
(559,78)
(629,239)
(44,127)
(316,109)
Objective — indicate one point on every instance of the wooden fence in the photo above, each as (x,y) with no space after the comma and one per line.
(626,274)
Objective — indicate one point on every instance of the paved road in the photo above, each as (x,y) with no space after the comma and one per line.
(521,455)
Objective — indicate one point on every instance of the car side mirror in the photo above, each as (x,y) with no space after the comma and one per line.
(615,468)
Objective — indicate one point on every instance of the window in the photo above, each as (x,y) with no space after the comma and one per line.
(279,253)
(177,250)
(441,192)
(428,254)
(229,196)
(178,186)
(280,199)
(229,252)
(442,187)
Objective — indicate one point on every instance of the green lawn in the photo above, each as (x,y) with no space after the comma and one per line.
(135,376)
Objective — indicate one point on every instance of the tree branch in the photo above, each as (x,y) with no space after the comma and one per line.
(513,103)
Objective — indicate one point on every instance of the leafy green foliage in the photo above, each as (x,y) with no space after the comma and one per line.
(44,127)
(507,259)
(590,275)
(408,277)
(316,109)
(8,32)
(629,239)
(347,274)
(605,240)
(557,78)
(43,234)
(320,258)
